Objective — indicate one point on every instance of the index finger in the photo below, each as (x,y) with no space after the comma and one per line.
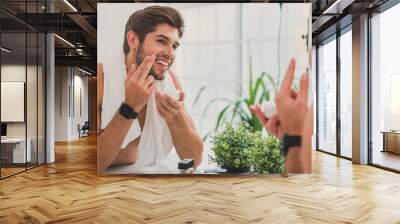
(256,110)
(288,79)
(135,70)
(146,66)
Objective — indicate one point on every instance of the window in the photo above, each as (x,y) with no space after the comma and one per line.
(327,97)
(23,74)
(346,94)
(385,89)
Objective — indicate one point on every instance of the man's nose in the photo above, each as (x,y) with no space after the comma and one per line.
(170,51)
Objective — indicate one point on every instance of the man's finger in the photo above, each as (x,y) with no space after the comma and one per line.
(146,69)
(171,71)
(163,102)
(182,96)
(293,94)
(274,120)
(131,72)
(303,92)
(160,100)
(166,108)
(273,123)
(161,111)
(152,87)
(149,80)
(288,79)
(256,110)
(172,102)
(157,97)
(140,68)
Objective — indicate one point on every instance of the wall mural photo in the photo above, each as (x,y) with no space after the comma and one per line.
(204,88)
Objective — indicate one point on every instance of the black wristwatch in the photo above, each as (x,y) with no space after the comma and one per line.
(127,111)
(290,141)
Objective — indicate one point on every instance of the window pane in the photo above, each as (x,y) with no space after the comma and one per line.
(31,97)
(327,97)
(385,89)
(346,94)
(41,98)
(14,152)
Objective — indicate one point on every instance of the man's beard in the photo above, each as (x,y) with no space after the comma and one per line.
(139,59)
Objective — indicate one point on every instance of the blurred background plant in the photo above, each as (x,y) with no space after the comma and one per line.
(260,88)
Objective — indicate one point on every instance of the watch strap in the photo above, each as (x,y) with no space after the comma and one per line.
(290,141)
(127,111)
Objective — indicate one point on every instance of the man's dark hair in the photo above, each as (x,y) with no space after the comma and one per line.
(146,20)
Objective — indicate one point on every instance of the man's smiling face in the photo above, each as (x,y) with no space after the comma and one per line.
(162,42)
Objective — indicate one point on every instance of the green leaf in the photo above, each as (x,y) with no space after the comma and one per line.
(236,108)
(220,116)
(206,136)
(213,101)
(273,83)
(198,95)
(259,82)
(251,78)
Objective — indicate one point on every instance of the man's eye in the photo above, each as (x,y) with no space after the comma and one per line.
(161,41)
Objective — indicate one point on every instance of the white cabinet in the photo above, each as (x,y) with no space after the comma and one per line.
(17,147)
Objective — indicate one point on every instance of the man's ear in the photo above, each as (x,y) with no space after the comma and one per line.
(133,40)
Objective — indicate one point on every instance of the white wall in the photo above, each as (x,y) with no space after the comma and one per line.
(61,103)
(80,83)
(68,81)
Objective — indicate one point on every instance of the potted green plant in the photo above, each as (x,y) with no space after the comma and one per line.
(232,148)
(240,149)
(266,155)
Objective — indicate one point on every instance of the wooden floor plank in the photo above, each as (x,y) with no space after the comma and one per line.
(69,191)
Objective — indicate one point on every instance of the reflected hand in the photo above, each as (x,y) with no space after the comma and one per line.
(168,107)
(291,106)
(138,84)
(272,125)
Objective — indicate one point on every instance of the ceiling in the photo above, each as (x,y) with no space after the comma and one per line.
(76,22)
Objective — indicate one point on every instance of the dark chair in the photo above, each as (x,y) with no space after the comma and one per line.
(84,130)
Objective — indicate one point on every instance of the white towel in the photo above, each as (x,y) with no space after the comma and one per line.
(155,139)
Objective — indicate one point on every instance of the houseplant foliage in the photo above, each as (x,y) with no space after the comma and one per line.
(266,155)
(232,147)
(241,149)
(238,110)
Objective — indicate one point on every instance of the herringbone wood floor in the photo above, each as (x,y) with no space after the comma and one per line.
(69,191)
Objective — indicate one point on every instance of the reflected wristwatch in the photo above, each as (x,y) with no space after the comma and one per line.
(290,141)
(127,111)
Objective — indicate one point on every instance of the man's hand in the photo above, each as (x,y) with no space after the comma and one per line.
(272,124)
(168,107)
(292,107)
(138,84)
